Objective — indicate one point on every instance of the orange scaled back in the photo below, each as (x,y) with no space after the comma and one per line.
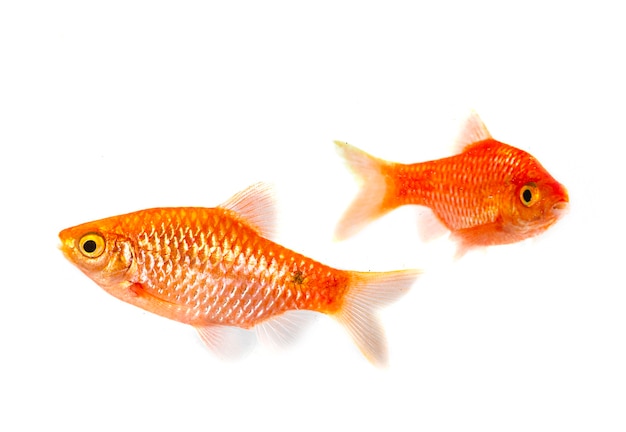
(215,269)
(491,193)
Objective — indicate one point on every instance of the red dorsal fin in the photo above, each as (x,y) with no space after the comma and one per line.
(255,206)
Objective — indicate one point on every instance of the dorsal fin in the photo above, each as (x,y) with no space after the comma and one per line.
(474,130)
(255,206)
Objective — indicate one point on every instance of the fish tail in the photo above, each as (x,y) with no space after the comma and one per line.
(369,292)
(369,203)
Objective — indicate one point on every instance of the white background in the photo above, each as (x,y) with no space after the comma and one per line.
(122,105)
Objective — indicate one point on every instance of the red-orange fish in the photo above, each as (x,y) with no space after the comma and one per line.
(217,270)
(489,194)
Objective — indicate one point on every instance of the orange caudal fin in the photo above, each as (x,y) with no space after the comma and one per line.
(368,293)
(369,203)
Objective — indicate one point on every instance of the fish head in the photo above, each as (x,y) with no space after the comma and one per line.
(100,252)
(537,200)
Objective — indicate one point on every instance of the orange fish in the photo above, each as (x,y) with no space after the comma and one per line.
(489,194)
(217,270)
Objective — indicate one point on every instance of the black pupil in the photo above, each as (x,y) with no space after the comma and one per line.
(527,195)
(89,246)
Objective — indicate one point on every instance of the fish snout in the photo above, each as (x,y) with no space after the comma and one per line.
(560,208)
(561,205)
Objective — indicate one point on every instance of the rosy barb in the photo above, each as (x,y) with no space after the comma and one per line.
(491,193)
(217,270)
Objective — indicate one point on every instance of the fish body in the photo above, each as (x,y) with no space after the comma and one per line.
(217,269)
(490,193)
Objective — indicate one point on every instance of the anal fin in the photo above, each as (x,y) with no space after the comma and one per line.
(283,330)
(429,226)
(227,342)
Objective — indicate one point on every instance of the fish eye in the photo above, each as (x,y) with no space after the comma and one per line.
(529,194)
(91,245)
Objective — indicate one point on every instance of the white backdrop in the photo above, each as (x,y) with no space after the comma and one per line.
(113,107)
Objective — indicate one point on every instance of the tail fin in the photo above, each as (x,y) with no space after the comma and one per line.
(369,292)
(368,205)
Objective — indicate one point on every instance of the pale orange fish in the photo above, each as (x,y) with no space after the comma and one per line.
(490,193)
(217,270)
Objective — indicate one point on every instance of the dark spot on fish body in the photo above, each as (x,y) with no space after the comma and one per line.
(297,277)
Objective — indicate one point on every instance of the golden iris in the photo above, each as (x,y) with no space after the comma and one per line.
(529,194)
(91,245)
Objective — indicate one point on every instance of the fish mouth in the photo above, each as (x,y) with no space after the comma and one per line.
(559,209)
(561,206)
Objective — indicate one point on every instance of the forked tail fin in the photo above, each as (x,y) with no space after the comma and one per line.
(369,203)
(368,293)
